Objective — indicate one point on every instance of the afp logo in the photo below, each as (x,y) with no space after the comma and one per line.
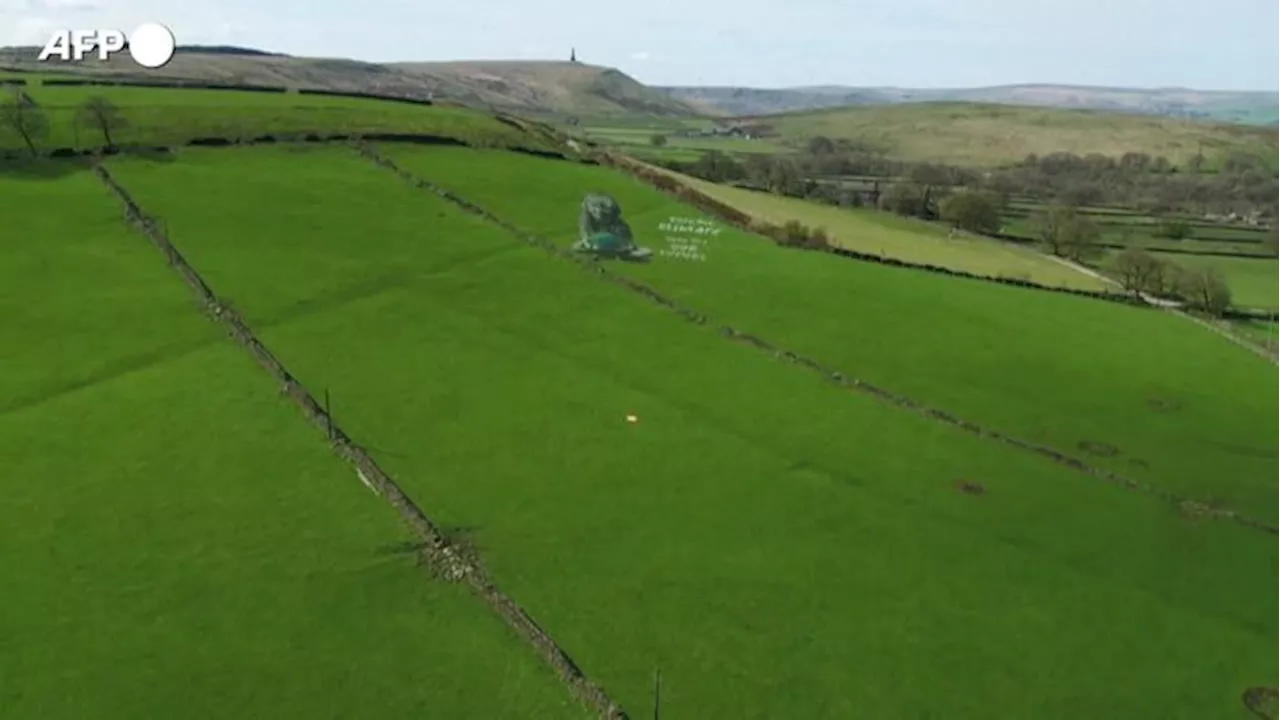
(150,44)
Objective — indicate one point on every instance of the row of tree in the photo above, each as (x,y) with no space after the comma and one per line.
(1202,288)
(22,117)
(1242,183)
(1068,233)
(930,191)
(1063,229)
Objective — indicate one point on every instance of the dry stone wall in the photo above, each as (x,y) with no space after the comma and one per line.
(447,559)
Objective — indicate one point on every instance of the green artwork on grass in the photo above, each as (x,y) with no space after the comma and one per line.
(602,231)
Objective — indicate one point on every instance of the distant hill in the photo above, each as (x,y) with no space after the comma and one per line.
(557,87)
(515,86)
(1251,108)
(226,50)
(987,135)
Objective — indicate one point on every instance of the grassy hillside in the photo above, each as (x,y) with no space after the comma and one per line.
(712,539)
(556,87)
(871,321)
(178,543)
(162,116)
(907,239)
(1248,108)
(526,86)
(989,135)
(776,544)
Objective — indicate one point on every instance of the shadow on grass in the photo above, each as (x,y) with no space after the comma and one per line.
(42,168)
(63,164)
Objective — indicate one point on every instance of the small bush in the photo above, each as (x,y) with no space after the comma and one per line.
(795,233)
(1173,230)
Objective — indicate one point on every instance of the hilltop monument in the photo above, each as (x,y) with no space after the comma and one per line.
(602,231)
(573,55)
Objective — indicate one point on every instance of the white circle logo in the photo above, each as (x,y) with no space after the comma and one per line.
(151,45)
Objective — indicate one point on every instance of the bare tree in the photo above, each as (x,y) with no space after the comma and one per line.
(784,176)
(1205,289)
(1067,232)
(821,145)
(24,118)
(1140,271)
(1080,238)
(976,212)
(100,113)
(1051,224)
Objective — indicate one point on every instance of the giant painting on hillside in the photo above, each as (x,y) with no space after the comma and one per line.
(603,231)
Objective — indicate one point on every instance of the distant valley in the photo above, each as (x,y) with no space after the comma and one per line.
(1251,108)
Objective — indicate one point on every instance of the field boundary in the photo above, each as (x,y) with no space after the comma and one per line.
(744,221)
(1186,505)
(281,138)
(1177,310)
(172,83)
(448,560)
(748,223)
(1215,328)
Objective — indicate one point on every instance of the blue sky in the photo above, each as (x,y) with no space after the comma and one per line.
(1223,44)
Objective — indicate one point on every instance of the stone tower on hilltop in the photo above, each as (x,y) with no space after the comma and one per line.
(573,55)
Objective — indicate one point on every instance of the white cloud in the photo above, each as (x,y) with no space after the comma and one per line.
(641,56)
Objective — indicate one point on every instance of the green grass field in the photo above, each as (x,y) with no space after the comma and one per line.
(977,135)
(638,141)
(883,234)
(1258,331)
(1046,367)
(1252,274)
(158,116)
(776,545)
(1133,228)
(177,542)
(1254,283)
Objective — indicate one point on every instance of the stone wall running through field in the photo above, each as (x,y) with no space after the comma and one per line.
(594,266)
(448,559)
(745,222)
